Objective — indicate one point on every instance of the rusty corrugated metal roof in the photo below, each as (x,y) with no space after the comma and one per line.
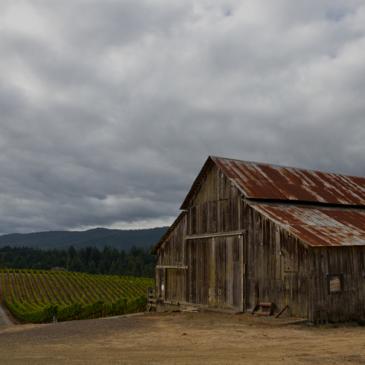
(319,226)
(264,181)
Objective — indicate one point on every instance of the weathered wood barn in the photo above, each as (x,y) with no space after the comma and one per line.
(250,233)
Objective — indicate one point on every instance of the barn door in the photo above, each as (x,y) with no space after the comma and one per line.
(229,276)
(215,274)
(198,256)
(175,285)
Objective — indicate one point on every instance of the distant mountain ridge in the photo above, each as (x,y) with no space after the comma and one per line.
(98,237)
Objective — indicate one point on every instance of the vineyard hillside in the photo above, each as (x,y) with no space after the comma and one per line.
(44,295)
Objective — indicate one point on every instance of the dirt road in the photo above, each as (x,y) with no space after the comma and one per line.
(182,338)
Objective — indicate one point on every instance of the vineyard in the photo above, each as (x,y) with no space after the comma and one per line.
(43,295)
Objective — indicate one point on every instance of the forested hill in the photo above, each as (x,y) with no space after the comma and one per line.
(99,237)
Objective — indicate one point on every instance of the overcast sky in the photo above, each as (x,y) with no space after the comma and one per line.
(108,109)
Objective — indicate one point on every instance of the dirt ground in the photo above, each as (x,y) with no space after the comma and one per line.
(182,338)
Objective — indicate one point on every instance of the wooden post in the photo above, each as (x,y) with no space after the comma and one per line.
(243,274)
(212,279)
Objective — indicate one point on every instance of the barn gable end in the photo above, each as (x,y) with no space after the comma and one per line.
(211,243)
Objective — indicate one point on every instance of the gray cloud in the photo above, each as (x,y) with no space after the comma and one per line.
(109,108)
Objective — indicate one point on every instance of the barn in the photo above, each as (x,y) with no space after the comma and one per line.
(252,236)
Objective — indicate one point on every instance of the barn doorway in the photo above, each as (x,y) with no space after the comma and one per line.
(216,275)
(175,285)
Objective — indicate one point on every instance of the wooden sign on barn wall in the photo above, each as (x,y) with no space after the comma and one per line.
(335,283)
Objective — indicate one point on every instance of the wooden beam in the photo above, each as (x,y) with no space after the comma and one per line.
(212,235)
(282,311)
(182,267)
(243,274)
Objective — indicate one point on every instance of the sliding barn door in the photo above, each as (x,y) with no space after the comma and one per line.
(198,255)
(175,287)
(228,263)
(216,272)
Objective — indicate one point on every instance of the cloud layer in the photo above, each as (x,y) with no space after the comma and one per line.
(109,108)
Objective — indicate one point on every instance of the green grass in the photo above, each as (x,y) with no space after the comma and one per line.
(42,295)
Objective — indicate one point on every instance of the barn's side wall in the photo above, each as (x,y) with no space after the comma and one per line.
(171,252)
(283,270)
(349,303)
(171,266)
(278,266)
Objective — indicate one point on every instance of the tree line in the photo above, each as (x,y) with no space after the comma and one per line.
(135,262)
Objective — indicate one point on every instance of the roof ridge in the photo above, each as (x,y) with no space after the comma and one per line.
(213,157)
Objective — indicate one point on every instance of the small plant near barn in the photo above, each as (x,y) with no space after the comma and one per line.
(43,296)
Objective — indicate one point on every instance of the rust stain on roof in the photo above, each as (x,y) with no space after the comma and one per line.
(319,226)
(264,181)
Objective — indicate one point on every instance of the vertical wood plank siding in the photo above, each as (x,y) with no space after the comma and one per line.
(214,270)
(283,270)
(278,265)
(172,253)
(349,304)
